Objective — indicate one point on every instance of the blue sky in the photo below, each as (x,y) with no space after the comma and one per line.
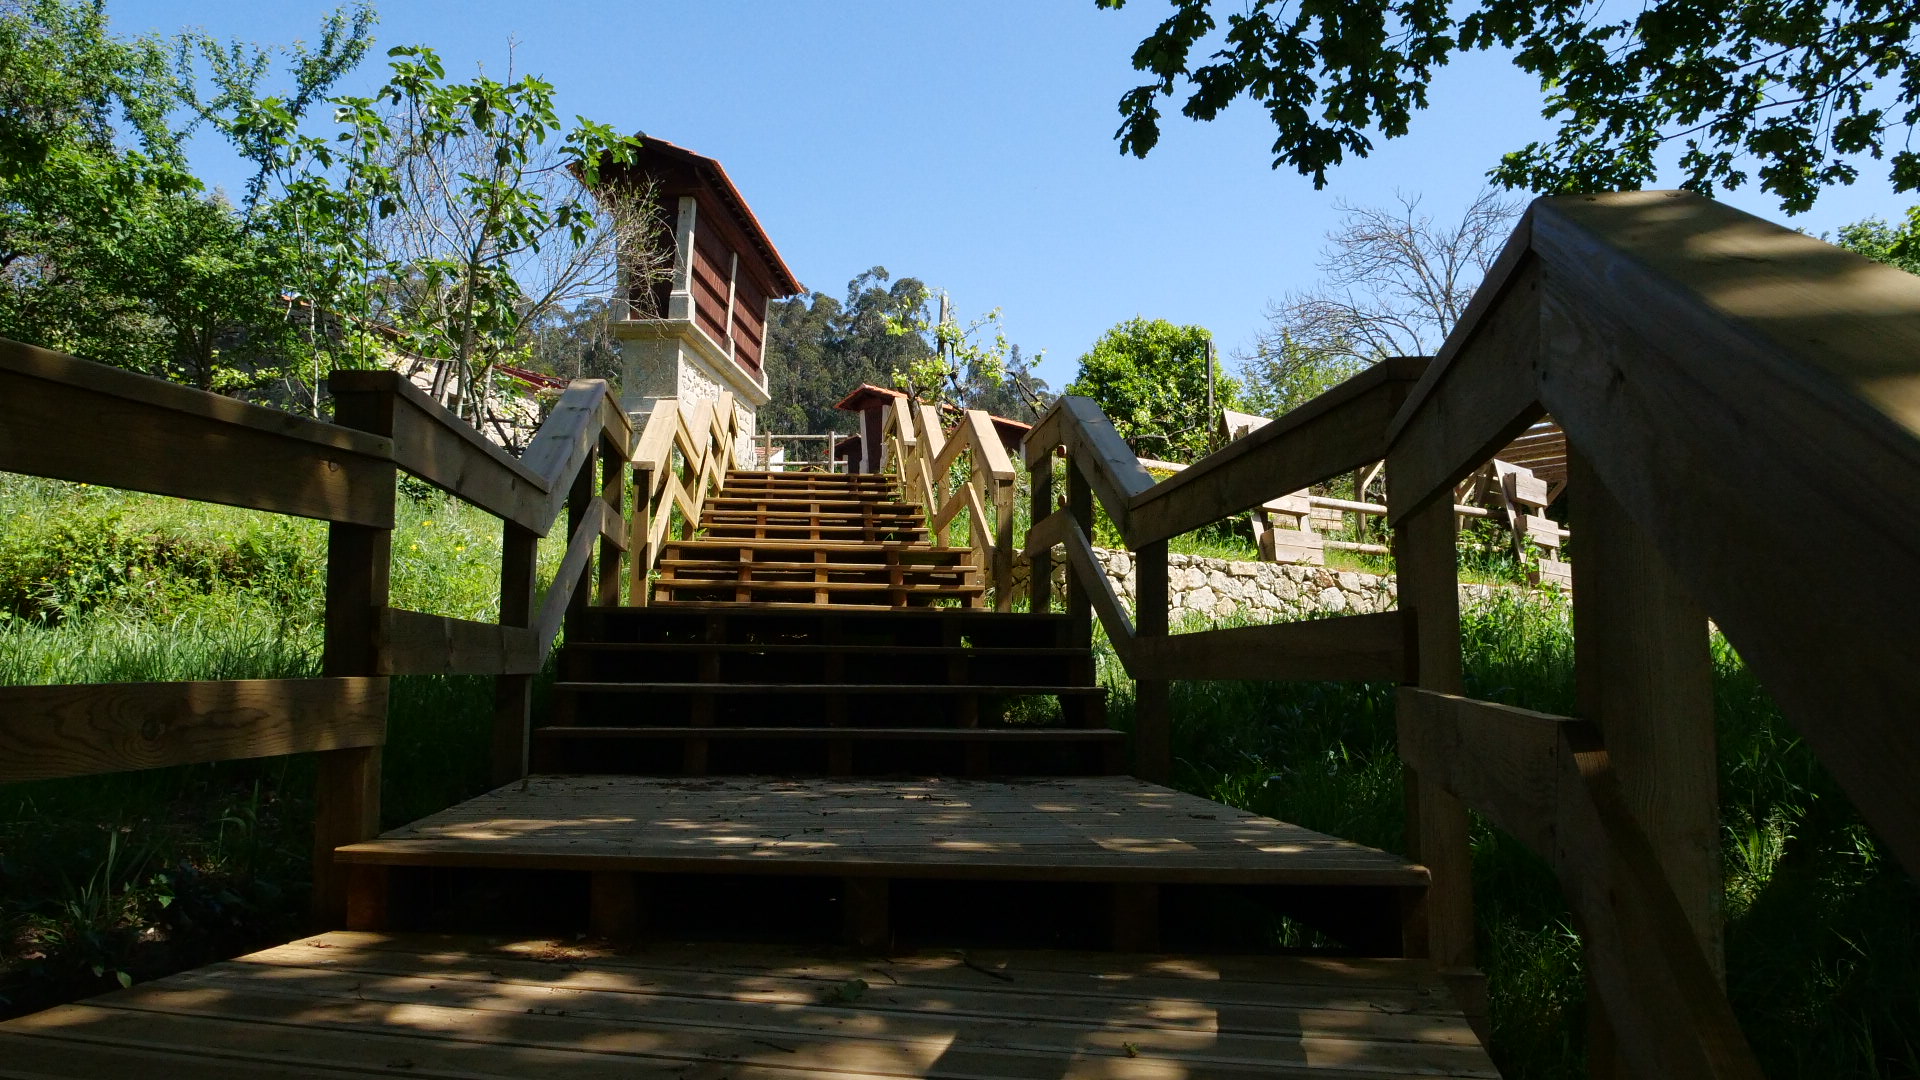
(970,145)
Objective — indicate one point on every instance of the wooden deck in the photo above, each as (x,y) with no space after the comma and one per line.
(347,1004)
(1108,828)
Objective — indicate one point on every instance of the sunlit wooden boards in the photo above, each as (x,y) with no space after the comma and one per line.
(347,1004)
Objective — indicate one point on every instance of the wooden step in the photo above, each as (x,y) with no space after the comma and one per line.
(756,565)
(823,663)
(801,502)
(860,689)
(824,593)
(798,531)
(903,551)
(852,519)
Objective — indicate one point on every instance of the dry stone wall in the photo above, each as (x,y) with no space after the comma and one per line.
(1207,588)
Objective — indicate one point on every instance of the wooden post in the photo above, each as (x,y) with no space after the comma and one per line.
(1152,715)
(513,694)
(1039,505)
(1003,545)
(1440,928)
(1644,674)
(1079,600)
(579,501)
(347,782)
(613,482)
(639,542)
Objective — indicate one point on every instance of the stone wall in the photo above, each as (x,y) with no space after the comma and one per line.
(1207,588)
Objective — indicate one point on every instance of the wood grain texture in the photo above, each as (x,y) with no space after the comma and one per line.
(1685,339)
(1349,647)
(1481,395)
(1068,828)
(421,644)
(79,730)
(1549,782)
(435,445)
(210,454)
(1339,431)
(380,1004)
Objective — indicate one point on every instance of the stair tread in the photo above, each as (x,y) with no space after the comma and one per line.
(831,567)
(964,734)
(785,543)
(608,686)
(983,651)
(666,582)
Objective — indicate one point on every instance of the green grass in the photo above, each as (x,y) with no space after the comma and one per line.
(1823,931)
(105,879)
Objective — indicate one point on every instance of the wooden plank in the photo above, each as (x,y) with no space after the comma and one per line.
(1347,647)
(565,440)
(1685,337)
(209,452)
(1441,928)
(419,644)
(1489,394)
(1548,781)
(1339,431)
(1645,679)
(79,730)
(566,580)
(1153,708)
(1097,453)
(435,445)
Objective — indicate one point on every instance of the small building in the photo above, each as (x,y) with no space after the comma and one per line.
(866,452)
(701,330)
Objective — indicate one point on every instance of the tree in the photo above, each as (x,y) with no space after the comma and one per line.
(1393,283)
(1896,245)
(819,349)
(1018,393)
(1150,378)
(1785,92)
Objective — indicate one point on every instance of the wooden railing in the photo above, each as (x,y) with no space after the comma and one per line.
(682,457)
(926,457)
(73,420)
(1708,368)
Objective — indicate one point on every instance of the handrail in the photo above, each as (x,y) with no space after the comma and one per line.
(1674,340)
(682,457)
(925,455)
(175,441)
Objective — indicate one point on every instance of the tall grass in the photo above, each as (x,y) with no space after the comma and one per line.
(1823,931)
(106,879)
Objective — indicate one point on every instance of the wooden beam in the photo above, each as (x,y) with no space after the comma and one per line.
(1339,431)
(1687,339)
(420,644)
(1476,400)
(1152,693)
(117,432)
(1645,679)
(564,442)
(513,693)
(1549,782)
(1347,647)
(1437,829)
(573,568)
(435,445)
(79,730)
(1098,453)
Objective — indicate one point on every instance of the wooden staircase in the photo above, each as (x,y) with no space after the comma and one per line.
(815,539)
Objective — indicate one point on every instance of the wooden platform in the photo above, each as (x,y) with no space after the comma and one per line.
(1109,828)
(347,1004)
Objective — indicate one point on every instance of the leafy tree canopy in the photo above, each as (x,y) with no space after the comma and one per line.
(1784,91)
(1896,245)
(1150,377)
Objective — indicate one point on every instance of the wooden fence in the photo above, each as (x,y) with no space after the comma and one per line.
(681,459)
(73,420)
(955,476)
(1708,368)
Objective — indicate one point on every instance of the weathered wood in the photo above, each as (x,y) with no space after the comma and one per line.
(564,442)
(568,578)
(1153,708)
(1645,679)
(1040,505)
(359,563)
(1339,431)
(183,443)
(432,443)
(1548,781)
(419,644)
(79,730)
(1348,647)
(1482,392)
(366,1004)
(1085,575)
(513,693)
(1424,544)
(1681,332)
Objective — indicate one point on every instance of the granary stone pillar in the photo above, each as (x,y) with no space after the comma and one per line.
(699,330)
